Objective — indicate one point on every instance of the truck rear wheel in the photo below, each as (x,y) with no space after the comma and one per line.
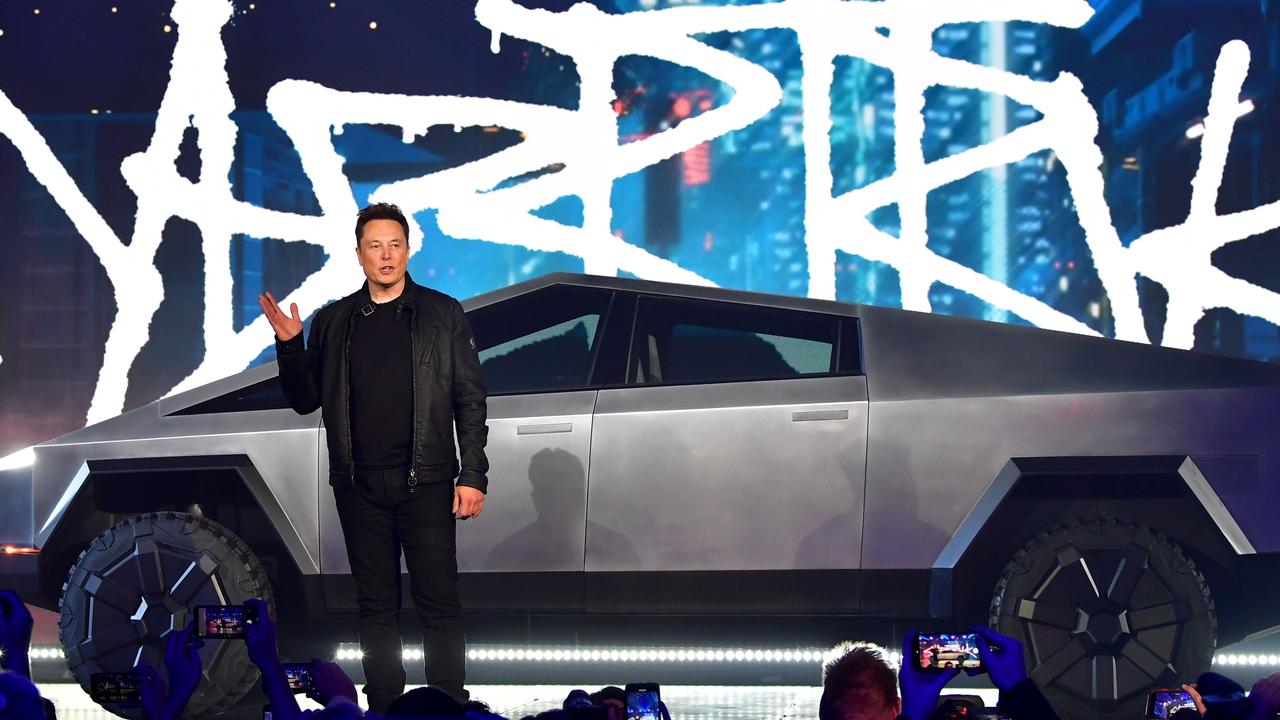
(142,579)
(1106,610)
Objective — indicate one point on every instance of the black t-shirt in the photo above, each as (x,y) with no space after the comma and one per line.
(381,386)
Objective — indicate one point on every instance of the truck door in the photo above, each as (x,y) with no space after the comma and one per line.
(737,443)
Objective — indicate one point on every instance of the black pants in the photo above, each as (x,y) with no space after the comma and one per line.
(379,517)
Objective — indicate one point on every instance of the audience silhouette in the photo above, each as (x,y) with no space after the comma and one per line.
(859,682)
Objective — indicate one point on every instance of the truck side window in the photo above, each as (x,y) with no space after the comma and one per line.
(539,342)
(262,395)
(694,341)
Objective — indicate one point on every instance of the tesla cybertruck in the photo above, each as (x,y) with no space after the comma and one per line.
(659,449)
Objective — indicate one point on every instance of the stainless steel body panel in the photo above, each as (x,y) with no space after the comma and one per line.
(535,510)
(761,475)
(281,444)
(1192,476)
(725,477)
(930,460)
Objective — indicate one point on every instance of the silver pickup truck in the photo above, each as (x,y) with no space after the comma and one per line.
(659,449)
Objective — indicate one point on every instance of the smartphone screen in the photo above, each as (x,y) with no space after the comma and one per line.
(642,701)
(939,651)
(1164,703)
(224,621)
(299,675)
(122,688)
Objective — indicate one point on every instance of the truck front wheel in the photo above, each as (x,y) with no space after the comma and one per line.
(141,580)
(1105,609)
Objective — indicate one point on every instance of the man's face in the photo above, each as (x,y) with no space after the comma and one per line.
(383,252)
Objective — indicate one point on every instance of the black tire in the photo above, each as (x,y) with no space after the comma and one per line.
(1106,610)
(143,578)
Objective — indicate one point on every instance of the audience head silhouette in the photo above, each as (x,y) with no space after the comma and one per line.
(425,702)
(859,683)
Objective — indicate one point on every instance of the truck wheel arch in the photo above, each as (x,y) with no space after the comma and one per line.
(228,487)
(1030,494)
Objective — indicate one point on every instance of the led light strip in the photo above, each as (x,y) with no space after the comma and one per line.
(698,655)
(651,654)
(1246,659)
(690,655)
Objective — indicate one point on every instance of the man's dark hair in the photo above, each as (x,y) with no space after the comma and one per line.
(380,211)
(858,681)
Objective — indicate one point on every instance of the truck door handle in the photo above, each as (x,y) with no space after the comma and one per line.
(543,428)
(807,415)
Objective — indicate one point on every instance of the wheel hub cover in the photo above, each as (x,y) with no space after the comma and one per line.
(1104,631)
(1105,610)
(156,617)
(138,582)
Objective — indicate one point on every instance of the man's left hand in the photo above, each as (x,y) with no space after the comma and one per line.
(467,502)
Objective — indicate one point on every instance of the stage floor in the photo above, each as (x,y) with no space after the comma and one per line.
(686,702)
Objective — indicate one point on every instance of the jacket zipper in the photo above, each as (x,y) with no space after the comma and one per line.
(346,361)
(413,402)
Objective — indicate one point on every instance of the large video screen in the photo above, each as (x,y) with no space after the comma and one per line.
(1094,167)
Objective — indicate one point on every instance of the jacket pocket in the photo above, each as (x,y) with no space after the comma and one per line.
(431,347)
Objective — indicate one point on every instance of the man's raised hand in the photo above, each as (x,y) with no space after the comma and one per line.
(286,327)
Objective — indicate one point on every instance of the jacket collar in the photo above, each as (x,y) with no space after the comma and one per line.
(406,296)
(362,298)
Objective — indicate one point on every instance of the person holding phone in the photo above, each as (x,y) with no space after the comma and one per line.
(394,369)
(1002,659)
(644,701)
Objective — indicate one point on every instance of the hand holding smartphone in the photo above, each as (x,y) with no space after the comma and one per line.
(1164,702)
(225,622)
(940,651)
(123,689)
(299,676)
(643,701)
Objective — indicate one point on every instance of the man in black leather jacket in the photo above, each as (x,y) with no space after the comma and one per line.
(393,368)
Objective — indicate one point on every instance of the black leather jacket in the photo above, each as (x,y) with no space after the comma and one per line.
(447,385)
